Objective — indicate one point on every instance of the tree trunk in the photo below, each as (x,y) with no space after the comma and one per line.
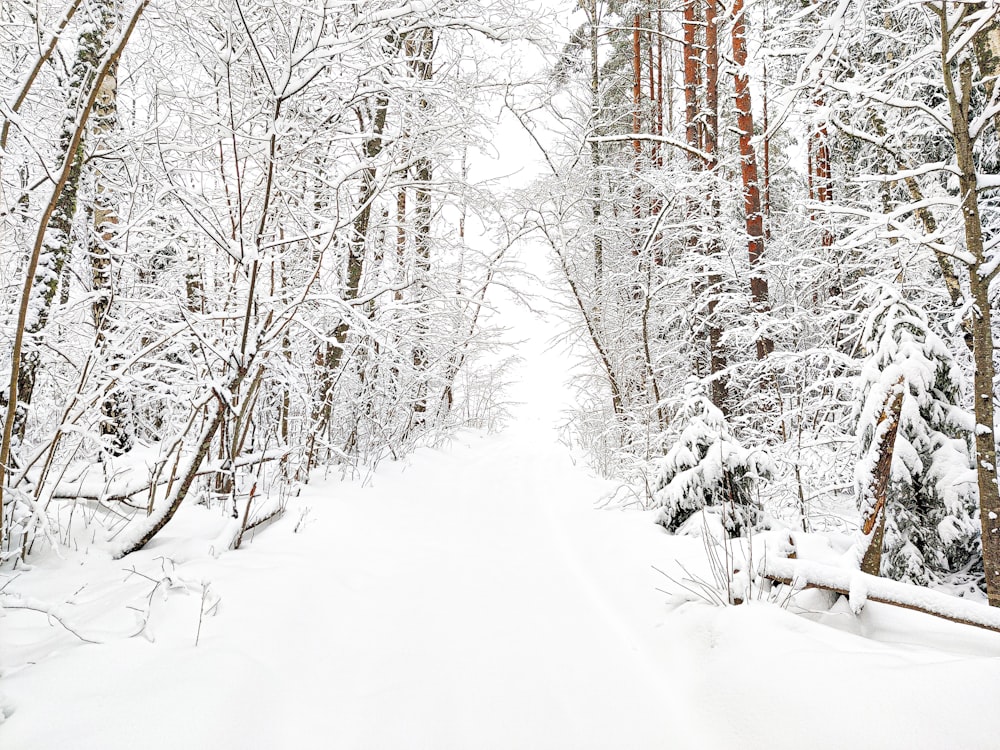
(960,110)
(116,428)
(986,47)
(875,495)
(330,354)
(748,170)
(820,172)
(595,156)
(689,24)
(400,240)
(637,87)
(422,210)
(713,246)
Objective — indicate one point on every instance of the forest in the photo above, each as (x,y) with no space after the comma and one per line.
(783,265)
(726,267)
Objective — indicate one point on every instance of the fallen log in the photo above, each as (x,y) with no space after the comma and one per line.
(98,489)
(258,524)
(861,587)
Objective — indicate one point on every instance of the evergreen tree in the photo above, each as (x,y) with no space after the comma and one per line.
(931,517)
(708,467)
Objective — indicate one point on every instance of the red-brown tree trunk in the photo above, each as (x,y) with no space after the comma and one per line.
(659,77)
(651,66)
(767,163)
(689,25)
(636,122)
(748,169)
(710,141)
(636,86)
(873,521)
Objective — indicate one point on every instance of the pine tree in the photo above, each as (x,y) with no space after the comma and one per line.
(708,467)
(931,528)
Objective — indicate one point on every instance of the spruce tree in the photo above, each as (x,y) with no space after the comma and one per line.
(708,467)
(931,508)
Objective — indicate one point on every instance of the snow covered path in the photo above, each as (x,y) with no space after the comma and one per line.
(466,598)
(462,598)
(465,617)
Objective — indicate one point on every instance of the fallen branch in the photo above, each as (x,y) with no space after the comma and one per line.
(14,601)
(260,523)
(861,587)
(125,491)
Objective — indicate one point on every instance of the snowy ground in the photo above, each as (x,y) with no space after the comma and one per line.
(467,597)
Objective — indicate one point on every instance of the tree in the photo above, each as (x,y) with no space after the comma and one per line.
(752,207)
(109,183)
(928,494)
(707,467)
(920,101)
(966,30)
(93,62)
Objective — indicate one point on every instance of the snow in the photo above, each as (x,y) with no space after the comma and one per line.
(468,596)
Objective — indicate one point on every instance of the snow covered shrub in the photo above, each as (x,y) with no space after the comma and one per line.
(932,528)
(708,467)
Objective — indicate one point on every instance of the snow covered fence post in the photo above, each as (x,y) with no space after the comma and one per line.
(875,489)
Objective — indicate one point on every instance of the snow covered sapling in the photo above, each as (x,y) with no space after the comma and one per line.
(708,467)
(930,515)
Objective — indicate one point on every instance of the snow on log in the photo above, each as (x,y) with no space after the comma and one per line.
(258,524)
(861,587)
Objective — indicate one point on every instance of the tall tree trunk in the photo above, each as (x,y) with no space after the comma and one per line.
(701,133)
(651,65)
(400,240)
(659,79)
(597,197)
(56,243)
(713,246)
(116,427)
(422,210)
(765,126)
(637,86)
(748,169)
(330,354)
(689,24)
(960,110)
(986,47)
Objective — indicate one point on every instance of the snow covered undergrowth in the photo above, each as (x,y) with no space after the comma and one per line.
(466,597)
